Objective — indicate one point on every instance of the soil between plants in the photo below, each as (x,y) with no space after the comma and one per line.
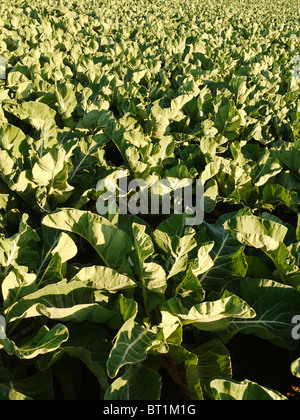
(252,358)
(262,362)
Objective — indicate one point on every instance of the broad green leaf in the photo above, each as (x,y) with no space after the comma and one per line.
(289,181)
(298,228)
(51,171)
(58,249)
(161,152)
(178,357)
(7,168)
(226,258)
(228,121)
(239,87)
(204,261)
(295,368)
(113,245)
(20,249)
(151,274)
(13,140)
(216,166)
(171,227)
(213,361)
(58,242)
(170,329)
(288,155)
(243,391)
(95,120)
(45,341)
(104,278)
(87,342)
(266,168)
(9,394)
(126,307)
(131,343)
(66,99)
(286,260)
(275,305)
(277,194)
(17,284)
(179,250)
(74,301)
(257,268)
(210,316)
(211,195)
(126,221)
(36,386)
(137,384)
(85,155)
(40,115)
(189,290)
(257,232)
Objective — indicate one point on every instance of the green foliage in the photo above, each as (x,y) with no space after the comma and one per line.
(164,89)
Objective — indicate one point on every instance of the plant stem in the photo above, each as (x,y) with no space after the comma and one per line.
(145,297)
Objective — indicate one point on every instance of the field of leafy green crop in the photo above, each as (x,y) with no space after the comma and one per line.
(144,307)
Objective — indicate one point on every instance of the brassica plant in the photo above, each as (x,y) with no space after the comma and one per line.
(108,306)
